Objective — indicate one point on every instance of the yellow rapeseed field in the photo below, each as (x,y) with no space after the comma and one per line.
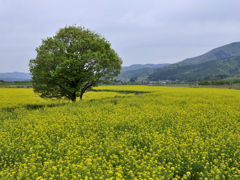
(167,133)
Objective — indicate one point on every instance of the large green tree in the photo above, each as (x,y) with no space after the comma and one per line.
(71,62)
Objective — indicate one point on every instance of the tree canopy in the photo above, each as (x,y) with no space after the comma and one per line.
(71,62)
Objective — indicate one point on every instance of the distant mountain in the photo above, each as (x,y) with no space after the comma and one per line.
(223,52)
(143,73)
(142,66)
(15,76)
(139,70)
(158,71)
(190,68)
(217,68)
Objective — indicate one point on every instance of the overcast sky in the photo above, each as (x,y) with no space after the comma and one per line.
(140,31)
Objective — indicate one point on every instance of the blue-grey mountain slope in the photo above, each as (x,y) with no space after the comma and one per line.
(142,66)
(15,76)
(139,70)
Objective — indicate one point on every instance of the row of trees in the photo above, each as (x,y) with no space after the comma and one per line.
(219,82)
(2,81)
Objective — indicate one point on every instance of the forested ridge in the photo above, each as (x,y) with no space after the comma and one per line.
(228,67)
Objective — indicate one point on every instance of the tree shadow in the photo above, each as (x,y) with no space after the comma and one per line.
(39,106)
(31,107)
(8,109)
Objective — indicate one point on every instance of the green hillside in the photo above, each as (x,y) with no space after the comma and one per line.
(189,69)
(142,66)
(138,70)
(225,67)
(136,73)
(222,52)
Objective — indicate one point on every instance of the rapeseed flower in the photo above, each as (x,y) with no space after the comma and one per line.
(164,133)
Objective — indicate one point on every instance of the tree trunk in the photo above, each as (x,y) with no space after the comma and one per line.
(81,95)
(73,97)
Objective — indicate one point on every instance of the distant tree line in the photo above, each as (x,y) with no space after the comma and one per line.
(2,81)
(219,82)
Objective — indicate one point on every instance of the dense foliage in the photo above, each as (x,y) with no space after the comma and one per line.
(71,62)
(168,133)
(219,82)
